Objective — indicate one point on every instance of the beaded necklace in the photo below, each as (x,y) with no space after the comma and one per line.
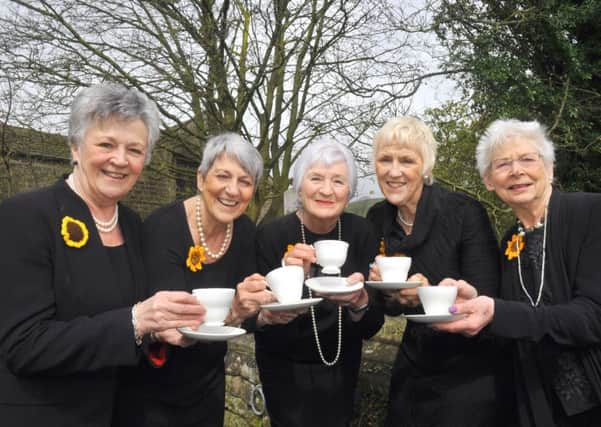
(522,232)
(102,226)
(402,221)
(201,235)
(313,321)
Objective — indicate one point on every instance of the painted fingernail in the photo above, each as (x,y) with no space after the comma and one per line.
(453,309)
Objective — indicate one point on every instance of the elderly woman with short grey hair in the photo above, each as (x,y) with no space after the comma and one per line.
(72,271)
(204,241)
(309,360)
(549,310)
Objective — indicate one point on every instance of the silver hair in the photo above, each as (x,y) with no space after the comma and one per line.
(407,131)
(503,131)
(325,152)
(235,146)
(107,100)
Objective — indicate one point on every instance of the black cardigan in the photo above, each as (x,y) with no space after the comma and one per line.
(569,315)
(65,325)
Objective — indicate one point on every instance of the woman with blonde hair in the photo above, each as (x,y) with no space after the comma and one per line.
(438,379)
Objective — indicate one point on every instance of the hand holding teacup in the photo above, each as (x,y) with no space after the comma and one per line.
(351,300)
(301,255)
(168,310)
(478,310)
(251,293)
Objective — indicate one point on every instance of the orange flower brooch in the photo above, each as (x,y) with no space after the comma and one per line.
(514,246)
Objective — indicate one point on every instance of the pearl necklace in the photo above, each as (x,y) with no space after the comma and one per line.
(102,226)
(521,232)
(313,321)
(401,221)
(201,235)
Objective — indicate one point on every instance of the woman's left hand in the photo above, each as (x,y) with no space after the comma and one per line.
(250,295)
(352,300)
(173,337)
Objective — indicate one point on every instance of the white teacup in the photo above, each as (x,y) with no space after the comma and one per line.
(437,299)
(217,302)
(331,255)
(286,283)
(394,268)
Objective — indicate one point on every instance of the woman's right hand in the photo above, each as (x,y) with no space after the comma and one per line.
(168,310)
(302,255)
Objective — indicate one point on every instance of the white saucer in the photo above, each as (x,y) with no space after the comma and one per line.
(433,318)
(212,333)
(332,285)
(305,302)
(393,285)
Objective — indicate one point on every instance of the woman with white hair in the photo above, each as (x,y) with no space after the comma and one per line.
(204,241)
(309,362)
(438,379)
(550,304)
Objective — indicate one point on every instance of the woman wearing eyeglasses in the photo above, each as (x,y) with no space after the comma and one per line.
(550,304)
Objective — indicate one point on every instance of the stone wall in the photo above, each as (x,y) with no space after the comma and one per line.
(372,391)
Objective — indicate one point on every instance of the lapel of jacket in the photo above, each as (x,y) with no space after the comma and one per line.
(88,272)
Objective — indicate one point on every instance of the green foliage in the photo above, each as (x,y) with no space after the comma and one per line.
(532,60)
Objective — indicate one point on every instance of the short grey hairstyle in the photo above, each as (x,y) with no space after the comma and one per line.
(503,131)
(232,144)
(326,152)
(109,100)
(407,131)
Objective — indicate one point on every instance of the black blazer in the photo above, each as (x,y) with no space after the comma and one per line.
(64,323)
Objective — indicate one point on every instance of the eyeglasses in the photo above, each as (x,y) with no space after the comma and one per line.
(505,165)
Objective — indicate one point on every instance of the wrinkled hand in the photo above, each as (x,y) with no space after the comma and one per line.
(465,291)
(173,337)
(168,310)
(302,255)
(478,313)
(250,295)
(352,300)
(268,317)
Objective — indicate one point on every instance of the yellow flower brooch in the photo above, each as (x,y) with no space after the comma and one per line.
(196,256)
(514,246)
(74,232)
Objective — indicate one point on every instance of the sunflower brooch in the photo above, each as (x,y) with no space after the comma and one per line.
(74,232)
(196,256)
(514,246)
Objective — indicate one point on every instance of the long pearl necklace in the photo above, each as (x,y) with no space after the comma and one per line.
(102,226)
(313,321)
(401,221)
(201,235)
(542,273)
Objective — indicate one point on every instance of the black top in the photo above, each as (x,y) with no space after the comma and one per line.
(295,341)
(182,379)
(556,343)
(451,237)
(65,321)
